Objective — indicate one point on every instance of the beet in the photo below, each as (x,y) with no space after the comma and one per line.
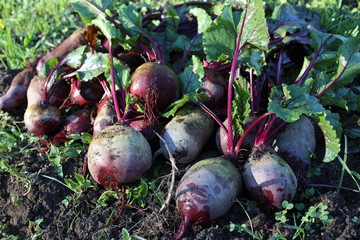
(269,179)
(117,155)
(86,93)
(57,95)
(16,94)
(296,143)
(78,122)
(186,134)
(155,84)
(206,192)
(42,119)
(105,116)
(215,85)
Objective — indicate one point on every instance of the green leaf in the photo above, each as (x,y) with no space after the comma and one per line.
(203,19)
(253,25)
(172,18)
(47,67)
(175,106)
(349,61)
(240,106)
(131,19)
(122,73)
(106,27)
(291,101)
(342,97)
(191,77)
(75,58)
(286,19)
(94,65)
(254,58)
(88,10)
(333,43)
(219,39)
(331,128)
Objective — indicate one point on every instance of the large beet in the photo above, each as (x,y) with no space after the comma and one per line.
(206,192)
(296,143)
(186,134)
(155,84)
(269,179)
(117,155)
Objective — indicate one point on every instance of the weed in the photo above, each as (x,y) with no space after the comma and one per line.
(315,218)
(353,174)
(126,235)
(4,233)
(34,226)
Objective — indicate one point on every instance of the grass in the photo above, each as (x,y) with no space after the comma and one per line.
(29,28)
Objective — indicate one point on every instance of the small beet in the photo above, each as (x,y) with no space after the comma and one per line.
(78,122)
(42,119)
(86,93)
(215,85)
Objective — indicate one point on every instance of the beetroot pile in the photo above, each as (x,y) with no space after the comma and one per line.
(265,82)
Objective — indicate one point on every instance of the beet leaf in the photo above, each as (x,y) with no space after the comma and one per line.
(291,101)
(331,128)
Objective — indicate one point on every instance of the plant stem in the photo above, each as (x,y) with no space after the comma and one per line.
(45,95)
(247,131)
(278,69)
(213,115)
(238,47)
(312,62)
(336,79)
(113,88)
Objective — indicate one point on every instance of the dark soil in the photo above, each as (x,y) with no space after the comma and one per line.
(43,199)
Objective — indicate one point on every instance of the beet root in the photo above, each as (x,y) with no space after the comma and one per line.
(215,85)
(269,179)
(186,134)
(42,119)
(57,94)
(206,192)
(86,93)
(117,155)
(78,122)
(155,84)
(105,116)
(16,94)
(296,143)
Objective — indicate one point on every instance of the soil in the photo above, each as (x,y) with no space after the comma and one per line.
(44,197)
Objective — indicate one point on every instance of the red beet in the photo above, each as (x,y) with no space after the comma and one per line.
(42,119)
(78,122)
(118,154)
(215,85)
(155,84)
(206,192)
(86,93)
